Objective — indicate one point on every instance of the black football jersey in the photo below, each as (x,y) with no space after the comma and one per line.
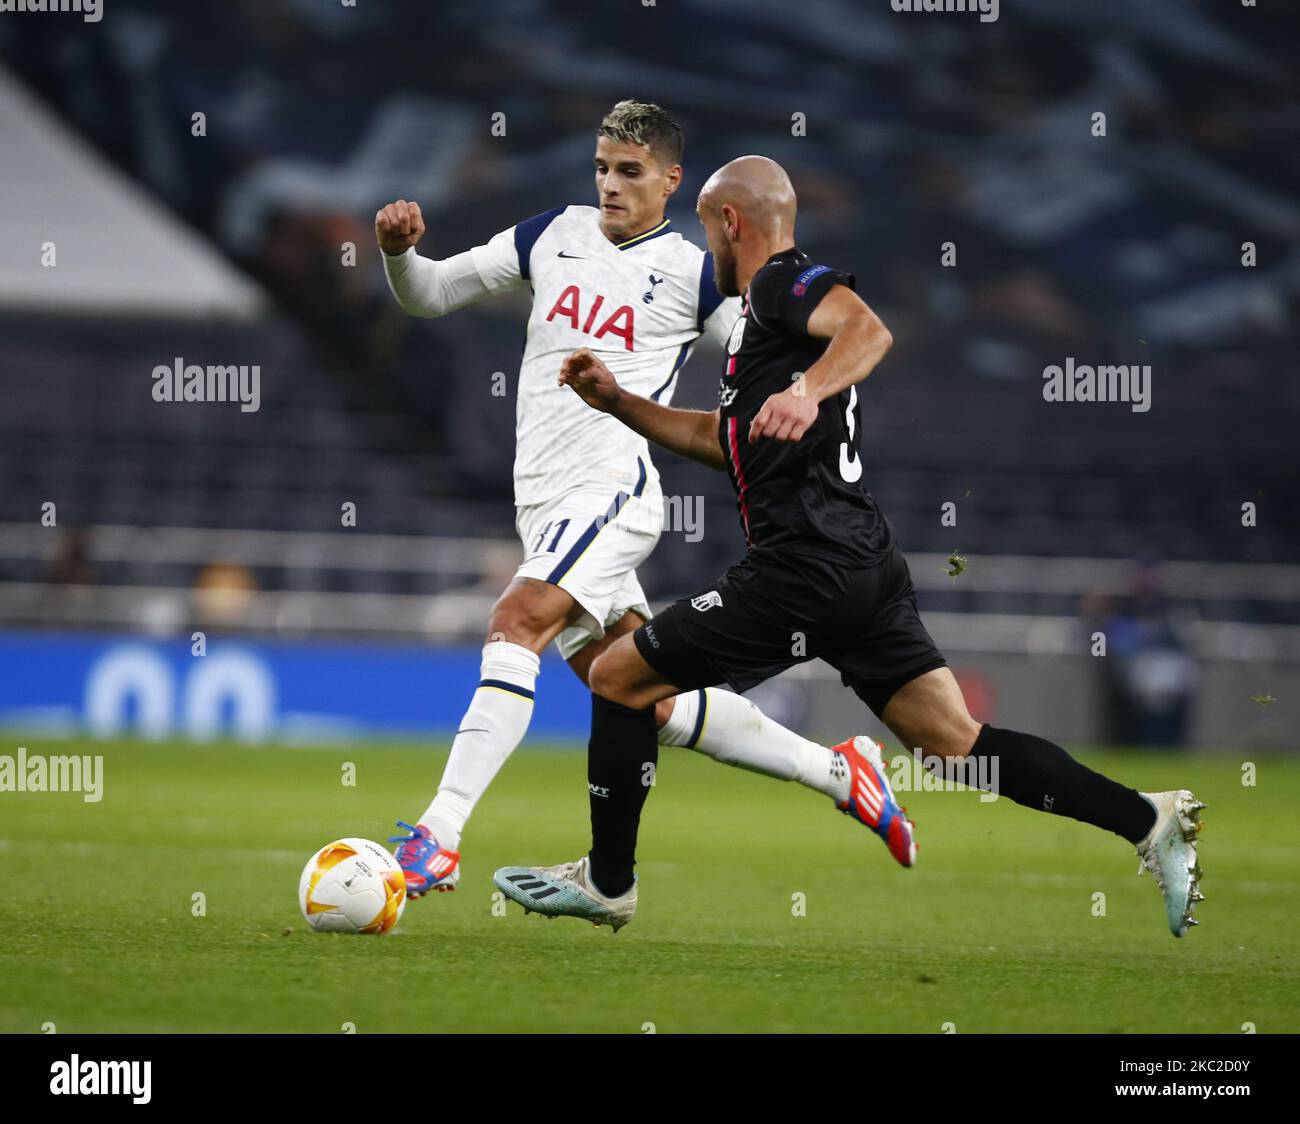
(799,502)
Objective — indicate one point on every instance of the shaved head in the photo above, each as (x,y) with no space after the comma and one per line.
(756,187)
(748,203)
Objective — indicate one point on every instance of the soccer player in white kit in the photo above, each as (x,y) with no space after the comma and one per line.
(616,278)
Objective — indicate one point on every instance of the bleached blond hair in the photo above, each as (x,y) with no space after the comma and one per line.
(643,122)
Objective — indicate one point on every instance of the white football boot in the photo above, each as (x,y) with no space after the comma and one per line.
(1169,853)
(565,891)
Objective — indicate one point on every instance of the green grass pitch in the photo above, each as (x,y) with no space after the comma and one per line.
(994,930)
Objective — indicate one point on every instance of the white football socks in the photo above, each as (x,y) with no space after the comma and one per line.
(731,729)
(492,728)
(716,723)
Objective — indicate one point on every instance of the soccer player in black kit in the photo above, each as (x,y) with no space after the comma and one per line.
(823,578)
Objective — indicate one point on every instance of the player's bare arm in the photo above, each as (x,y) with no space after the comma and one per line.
(398,227)
(859,341)
(690,433)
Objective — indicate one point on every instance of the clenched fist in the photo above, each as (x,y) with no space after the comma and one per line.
(594,382)
(398,227)
(786,416)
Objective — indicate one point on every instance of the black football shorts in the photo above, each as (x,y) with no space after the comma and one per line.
(761,617)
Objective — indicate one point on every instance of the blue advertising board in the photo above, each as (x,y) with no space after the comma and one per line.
(256,690)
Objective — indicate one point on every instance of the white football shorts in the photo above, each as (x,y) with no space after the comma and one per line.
(589,542)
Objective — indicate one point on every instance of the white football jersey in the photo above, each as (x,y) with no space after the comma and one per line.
(640,305)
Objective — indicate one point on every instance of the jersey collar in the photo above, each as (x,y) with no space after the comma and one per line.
(655,232)
(793,254)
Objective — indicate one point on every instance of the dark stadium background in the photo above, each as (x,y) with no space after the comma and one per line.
(921,129)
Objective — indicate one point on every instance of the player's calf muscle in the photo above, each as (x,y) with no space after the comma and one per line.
(936,739)
(937,735)
(929,715)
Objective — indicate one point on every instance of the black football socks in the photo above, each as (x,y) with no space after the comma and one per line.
(1041,775)
(621,760)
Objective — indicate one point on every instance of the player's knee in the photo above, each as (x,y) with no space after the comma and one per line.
(608,680)
(519,618)
(602,680)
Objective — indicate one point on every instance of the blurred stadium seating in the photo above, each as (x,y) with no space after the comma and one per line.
(1121,250)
